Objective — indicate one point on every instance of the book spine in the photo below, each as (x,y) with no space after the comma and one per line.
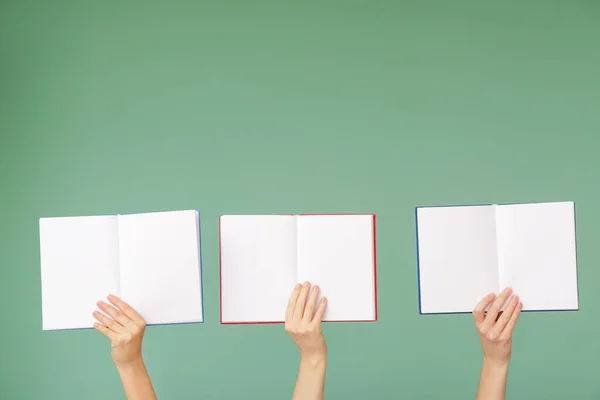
(220,276)
(375,265)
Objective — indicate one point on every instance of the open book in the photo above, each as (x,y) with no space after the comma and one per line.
(466,252)
(152,261)
(264,256)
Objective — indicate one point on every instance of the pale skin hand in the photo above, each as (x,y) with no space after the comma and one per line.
(125,329)
(495,334)
(303,323)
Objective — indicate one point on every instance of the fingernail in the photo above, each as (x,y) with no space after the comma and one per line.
(111,296)
(324,299)
(306,284)
(507,290)
(297,286)
(315,288)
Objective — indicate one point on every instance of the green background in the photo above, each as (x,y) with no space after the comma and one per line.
(280,107)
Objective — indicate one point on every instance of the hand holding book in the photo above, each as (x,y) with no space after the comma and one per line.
(495,334)
(303,318)
(303,321)
(125,329)
(495,328)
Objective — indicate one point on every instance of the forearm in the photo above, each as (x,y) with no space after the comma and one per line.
(136,381)
(492,383)
(311,379)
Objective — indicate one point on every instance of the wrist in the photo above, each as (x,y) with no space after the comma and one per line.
(130,366)
(314,360)
(495,365)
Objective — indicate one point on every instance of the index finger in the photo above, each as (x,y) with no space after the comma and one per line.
(479,310)
(125,308)
(505,316)
(105,331)
(492,314)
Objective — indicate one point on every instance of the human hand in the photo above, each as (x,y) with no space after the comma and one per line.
(495,329)
(125,329)
(303,322)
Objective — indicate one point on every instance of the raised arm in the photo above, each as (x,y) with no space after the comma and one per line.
(303,323)
(125,329)
(495,334)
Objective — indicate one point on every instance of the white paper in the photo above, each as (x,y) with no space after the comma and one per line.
(336,252)
(458,261)
(263,257)
(160,265)
(537,242)
(258,267)
(467,252)
(79,266)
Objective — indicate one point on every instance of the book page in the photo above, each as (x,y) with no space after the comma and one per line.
(336,252)
(538,254)
(458,260)
(160,266)
(258,267)
(79,266)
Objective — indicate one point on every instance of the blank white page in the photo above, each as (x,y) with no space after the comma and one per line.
(458,261)
(336,252)
(79,265)
(538,254)
(160,265)
(258,267)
